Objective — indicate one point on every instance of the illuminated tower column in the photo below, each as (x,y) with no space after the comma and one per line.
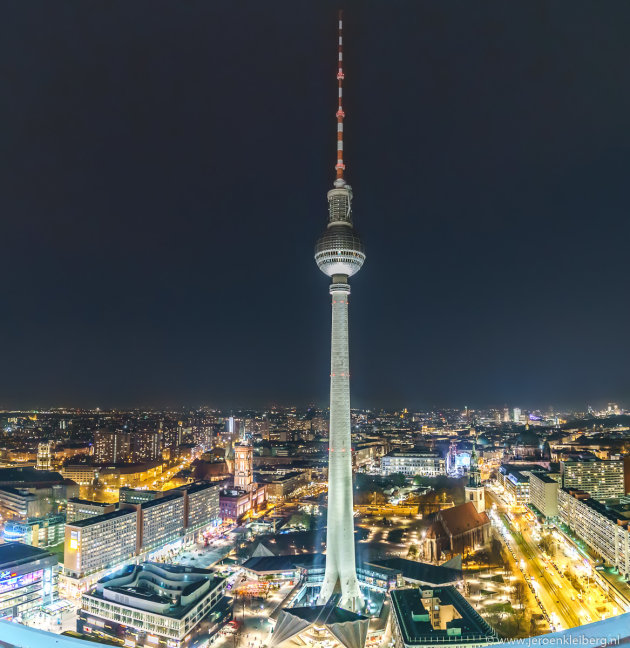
(339,254)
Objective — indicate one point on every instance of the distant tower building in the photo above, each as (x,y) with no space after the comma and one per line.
(339,254)
(45,455)
(111,447)
(229,456)
(506,415)
(474,490)
(230,426)
(517,415)
(243,467)
(146,446)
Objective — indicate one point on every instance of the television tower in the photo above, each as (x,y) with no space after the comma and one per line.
(339,254)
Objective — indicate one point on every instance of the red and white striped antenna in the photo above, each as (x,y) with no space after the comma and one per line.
(340,166)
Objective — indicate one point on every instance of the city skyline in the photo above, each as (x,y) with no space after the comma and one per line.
(141,196)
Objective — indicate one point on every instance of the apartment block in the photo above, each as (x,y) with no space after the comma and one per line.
(411,463)
(602,479)
(96,543)
(79,509)
(604,528)
(154,604)
(543,493)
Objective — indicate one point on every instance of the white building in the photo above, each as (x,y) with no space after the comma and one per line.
(162,521)
(153,605)
(425,464)
(543,492)
(602,479)
(603,528)
(95,543)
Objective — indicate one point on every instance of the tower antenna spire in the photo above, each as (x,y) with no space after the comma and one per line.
(340,166)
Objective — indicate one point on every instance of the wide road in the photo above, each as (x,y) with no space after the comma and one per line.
(554,592)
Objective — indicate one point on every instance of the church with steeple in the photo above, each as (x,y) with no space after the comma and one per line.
(474,490)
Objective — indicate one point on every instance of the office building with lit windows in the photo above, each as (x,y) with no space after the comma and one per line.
(96,543)
(155,604)
(161,521)
(543,492)
(28,579)
(111,446)
(46,531)
(79,509)
(604,528)
(411,463)
(602,479)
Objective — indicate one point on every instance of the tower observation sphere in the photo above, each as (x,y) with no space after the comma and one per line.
(339,251)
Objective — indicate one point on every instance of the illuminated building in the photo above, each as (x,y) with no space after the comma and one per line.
(602,479)
(128,495)
(140,526)
(46,531)
(428,616)
(516,484)
(155,604)
(517,414)
(201,506)
(246,495)
(543,493)
(456,530)
(79,509)
(44,455)
(339,255)
(604,528)
(474,491)
(161,521)
(146,446)
(243,467)
(95,543)
(411,463)
(18,503)
(28,579)
(82,474)
(111,447)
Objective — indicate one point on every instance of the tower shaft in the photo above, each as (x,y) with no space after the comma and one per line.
(340,559)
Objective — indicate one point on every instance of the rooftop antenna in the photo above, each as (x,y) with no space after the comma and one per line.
(340,166)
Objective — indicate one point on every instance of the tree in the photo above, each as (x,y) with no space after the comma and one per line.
(520,595)
(413,552)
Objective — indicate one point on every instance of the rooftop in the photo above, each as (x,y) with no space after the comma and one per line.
(98,519)
(414,619)
(172,589)
(544,477)
(162,500)
(16,553)
(421,572)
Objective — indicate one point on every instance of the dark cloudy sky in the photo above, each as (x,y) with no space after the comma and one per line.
(163,178)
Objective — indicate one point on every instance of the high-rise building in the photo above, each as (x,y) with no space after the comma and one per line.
(155,604)
(517,414)
(111,446)
(243,467)
(602,479)
(339,254)
(28,579)
(146,446)
(412,463)
(45,455)
(543,492)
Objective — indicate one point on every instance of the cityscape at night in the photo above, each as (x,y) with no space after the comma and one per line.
(191,281)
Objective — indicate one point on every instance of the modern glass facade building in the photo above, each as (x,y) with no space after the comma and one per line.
(28,579)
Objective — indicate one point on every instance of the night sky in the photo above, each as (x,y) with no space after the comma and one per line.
(164,168)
